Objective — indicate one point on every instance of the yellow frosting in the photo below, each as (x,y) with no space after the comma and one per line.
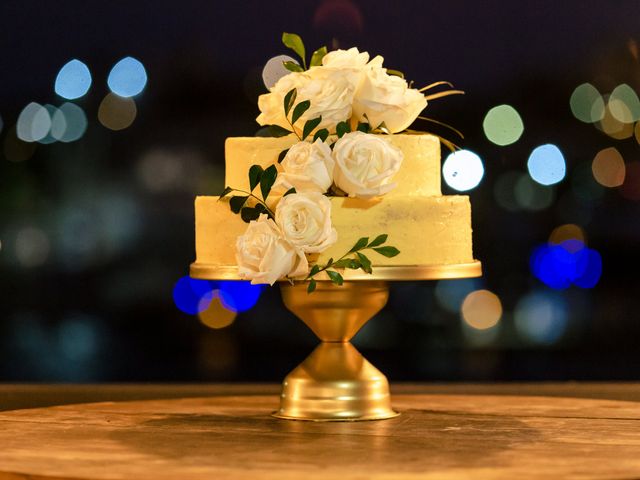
(418,175)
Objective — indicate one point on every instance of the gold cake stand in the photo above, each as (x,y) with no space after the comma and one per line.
(335,382)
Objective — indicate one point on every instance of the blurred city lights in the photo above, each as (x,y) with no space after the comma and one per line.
(586,103)
(127,77)
(15,150)
(450,293)
(73,80)
(31,247)
(570,262)
(69,123)
(239,296)
(481,309)
(608,167)
(116,112)
(274,70)
(216,316)
(77,337)
(568,231)
(541,317)
(624,104)
(532,196)
(48,138)
(161,169)
(546,164)
(34,123)
(503,125)
(613,127)
(463,170)
(192,296)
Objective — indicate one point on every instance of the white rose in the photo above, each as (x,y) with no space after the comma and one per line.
(345,58)
(305,220)
(330,93)
(264,255)
(365,164)
(307,167)
(387,98)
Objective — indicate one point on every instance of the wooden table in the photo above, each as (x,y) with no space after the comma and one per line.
(225,431)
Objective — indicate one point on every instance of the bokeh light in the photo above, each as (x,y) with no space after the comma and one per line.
(613,127)
(463,170)
(568,231)
(504,190)
(127,77)
(481,309)
(636,132)
(532,196)
(192,296)
(78,337)
(239,296)
(451,293)
(116,112)
(546,164)
(217,316)
(586,103)
(624,104)
(541,317)
(73,80)
(608,167)
(48,138)
(503,125)
(274,70)
(32,247)
(69,123)
(570,262)
(34,123)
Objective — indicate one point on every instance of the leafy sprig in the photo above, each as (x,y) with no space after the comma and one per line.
(239,204)
(295,43)
(354,259)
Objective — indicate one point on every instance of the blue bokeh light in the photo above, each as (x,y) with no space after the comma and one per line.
(192,296)
(127,77)
(451,293)
(546,164)
(566,264)
(541,317)
(73,80)
(238,296)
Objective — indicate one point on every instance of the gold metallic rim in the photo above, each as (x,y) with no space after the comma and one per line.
(391,273)
(386,416)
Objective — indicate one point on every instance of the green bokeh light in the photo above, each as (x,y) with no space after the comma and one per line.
(502,125)
(587,104)
(624,104)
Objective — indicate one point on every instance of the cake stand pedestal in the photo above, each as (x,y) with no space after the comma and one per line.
(335,382)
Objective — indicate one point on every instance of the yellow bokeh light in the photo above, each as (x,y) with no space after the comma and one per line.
(614,127)
(566,232)
(481,309)
(216,316)
(608,167)
(117,113)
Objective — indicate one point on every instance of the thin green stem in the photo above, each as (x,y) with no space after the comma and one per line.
(269,211)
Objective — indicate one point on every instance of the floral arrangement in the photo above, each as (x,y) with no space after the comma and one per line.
(335,108)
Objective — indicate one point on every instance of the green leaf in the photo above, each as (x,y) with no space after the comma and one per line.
(293,66)
(351,263)
(329,262)
(260,208)
(379,240)
(360,244)
(310,125)
(225,192)
(364,127)
(299,110)
(283,154)
(289,100)
(312,286)
(321,134)
(315,269)
(248,213)
(267,180)
(277,131)
(294,42)
(255,172)
(342,128)
(289,192)
(365,262)
(316,58)
(387,251)
(335,277)
(396,73)
(237,202)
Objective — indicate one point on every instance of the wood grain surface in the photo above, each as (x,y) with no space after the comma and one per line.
(437,436)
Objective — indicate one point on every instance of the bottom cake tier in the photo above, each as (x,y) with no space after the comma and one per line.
(426,230)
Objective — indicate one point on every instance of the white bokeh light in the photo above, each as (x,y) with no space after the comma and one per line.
(546,164)
(34,123)
(274,70)
(463,170)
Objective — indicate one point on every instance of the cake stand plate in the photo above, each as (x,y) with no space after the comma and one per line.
(335,382)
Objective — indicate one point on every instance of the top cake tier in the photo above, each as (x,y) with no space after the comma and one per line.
(418,175)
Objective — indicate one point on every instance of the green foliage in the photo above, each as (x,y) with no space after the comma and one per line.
(364,262)
(292,66)
(312,286)
(396,73)
(321,134)
(342,128)
(294,42)
(299,110)
(335,277)
(360,244)
(289,192)
(225,192)
(316,57)
(237,202)
(255,172)
(251,213)
(387,251)
(363,127)
(289,100)
(310,125)
(282,154)
(276,131)
(267,180)
(379,240)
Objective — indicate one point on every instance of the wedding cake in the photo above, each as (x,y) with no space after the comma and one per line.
(341,185)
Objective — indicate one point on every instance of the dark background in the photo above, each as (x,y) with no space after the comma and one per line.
(93,300)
